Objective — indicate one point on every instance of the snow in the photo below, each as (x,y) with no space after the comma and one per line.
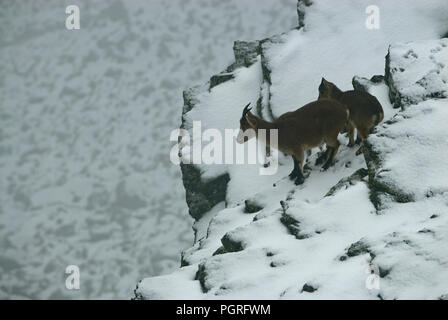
(185,284)
(237,275)
(275,265)
(419,71)
(413,146)
(381,92)
(415,252)
(301,236)
(336,45)
(230,96)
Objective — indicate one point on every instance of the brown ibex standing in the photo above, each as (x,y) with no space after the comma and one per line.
(311,126)
(365,110)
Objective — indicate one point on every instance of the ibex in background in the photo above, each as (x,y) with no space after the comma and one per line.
(311,126)
(365,110)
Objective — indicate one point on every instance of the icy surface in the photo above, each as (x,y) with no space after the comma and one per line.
(85,118)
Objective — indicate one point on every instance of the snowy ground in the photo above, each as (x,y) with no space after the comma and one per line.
(341,47)
(263,237)
(314,246)
(85,118)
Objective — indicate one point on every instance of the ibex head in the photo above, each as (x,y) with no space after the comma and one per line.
(328,90)
(324,89)
(247,125)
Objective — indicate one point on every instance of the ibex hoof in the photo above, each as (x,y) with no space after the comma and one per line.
(359,151)
(299,181)
(292,175)
(320,160)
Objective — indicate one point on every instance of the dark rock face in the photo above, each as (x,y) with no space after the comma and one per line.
(230,244)
(308,288)
(220,250)
(220,78)
(301,4)
(362,84)
(373,164)
(189,102)
(359,83)
(293,226)
(290,222)
(251,206)
(381,190)
(246,53)
(137,294)
(384,272)
(394,95)
(358,248)
(201,276)
(202,196)
(377,78)
(264,45)
(348,181)
(183,261)
(264,101)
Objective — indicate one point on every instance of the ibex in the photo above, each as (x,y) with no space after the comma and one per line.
(311,126)
(365,110)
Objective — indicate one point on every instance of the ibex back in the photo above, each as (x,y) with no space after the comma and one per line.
(311,126)
(365,110)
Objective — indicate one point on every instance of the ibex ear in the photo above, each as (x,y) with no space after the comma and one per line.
(324,81)
(253,122)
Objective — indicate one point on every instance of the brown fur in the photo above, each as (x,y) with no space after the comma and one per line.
(311,126)
(365,110)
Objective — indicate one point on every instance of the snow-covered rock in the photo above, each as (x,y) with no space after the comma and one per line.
(417,71)
(381,216)
(404,156)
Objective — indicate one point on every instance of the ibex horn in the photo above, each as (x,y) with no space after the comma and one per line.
(246,109)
